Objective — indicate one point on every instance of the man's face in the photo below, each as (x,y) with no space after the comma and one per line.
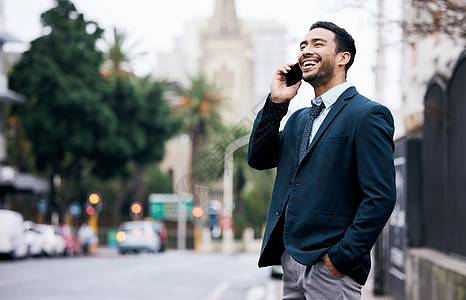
(317,56)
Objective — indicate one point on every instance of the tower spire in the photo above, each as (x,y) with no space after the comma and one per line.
(224,21)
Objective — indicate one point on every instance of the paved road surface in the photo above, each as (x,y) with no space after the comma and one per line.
(171,275)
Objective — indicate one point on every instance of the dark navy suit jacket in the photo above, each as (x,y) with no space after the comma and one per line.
(339,198)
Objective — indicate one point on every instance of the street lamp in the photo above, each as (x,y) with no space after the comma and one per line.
(227,241)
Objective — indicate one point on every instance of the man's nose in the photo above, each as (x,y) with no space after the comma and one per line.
(308,51)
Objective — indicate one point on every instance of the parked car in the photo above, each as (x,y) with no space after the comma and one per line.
(12,237)
(72,244)
(34,239)
(136,236)
(277,272)
(54,244)
(161,229)
(61,244)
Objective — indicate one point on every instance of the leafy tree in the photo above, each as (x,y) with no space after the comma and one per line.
(431,16)
(64,119)
(156,181)
(144,124)
(256,196)
(423,17)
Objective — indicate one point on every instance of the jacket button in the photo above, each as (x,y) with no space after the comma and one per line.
(290,184)
(278,212)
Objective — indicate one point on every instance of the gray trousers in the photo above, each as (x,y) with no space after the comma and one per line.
(315,282)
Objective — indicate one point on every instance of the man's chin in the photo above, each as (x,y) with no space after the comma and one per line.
(309,78)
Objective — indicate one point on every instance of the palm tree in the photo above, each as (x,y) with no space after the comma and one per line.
(199,115)
(119,56)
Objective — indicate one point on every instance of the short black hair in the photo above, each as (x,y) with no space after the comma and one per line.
(344,40)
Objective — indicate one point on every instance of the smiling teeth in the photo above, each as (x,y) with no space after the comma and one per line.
(309,64)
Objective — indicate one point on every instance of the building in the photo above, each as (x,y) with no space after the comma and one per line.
(239,56)
(12,181)
(424,244)
(227,60)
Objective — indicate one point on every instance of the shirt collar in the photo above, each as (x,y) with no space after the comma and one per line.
(330,96)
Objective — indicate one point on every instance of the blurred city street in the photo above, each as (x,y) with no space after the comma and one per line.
(171,275)
(108,275)
(127,171)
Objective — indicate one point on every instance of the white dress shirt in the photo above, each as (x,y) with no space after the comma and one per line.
(329,98)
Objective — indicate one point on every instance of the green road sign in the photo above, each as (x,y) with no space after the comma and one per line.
(166,206)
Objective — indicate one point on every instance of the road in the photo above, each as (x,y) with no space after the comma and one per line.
(172,275)
(165,276)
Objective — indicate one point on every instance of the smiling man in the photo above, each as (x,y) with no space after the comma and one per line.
(335,184)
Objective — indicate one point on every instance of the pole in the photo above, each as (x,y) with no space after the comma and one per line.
(181,226)
(380,66)
(379,72)
(228,239)
(93,223)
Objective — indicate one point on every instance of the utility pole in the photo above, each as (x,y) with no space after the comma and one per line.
(228,239)
(380,66)
(379,247)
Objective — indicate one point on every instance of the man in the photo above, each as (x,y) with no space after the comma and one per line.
(330,203)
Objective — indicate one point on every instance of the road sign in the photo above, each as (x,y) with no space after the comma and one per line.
(75,209)
(42,205)
(166,206)
(226,222)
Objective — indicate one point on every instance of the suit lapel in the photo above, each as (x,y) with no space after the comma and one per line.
(336,108)
(334,111)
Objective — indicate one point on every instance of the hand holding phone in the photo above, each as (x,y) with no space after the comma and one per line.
(294,75)
(286,82)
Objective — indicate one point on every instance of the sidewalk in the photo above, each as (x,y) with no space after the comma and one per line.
(274,291)
(367,295)
(367,291)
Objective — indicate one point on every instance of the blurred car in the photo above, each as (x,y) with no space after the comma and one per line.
(277,272)
(72,244)
(54,243)
(12,237)
(34,239)
(161,229)
(136,236)
(60,249)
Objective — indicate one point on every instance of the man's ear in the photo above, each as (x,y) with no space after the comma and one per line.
(344,58)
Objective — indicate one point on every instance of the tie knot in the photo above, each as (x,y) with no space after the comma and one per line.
(316,109)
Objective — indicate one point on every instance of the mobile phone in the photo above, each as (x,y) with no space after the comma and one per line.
(294,75)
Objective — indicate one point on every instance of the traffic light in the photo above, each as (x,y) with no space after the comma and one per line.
(90,210)
(197,212)
(94,198)
(93,203)
(135,210)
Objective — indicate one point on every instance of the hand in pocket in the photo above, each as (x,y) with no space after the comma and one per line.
(331,267)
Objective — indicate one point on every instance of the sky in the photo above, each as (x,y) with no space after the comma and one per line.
(154,25)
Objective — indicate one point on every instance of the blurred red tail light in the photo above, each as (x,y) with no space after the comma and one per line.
(163,233)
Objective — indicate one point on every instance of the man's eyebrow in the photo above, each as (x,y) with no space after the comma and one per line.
(313,40)
(319,39)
